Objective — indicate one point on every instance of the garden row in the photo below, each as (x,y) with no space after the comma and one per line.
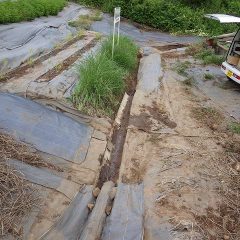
(102,77)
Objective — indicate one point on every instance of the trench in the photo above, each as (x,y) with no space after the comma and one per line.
(110,170)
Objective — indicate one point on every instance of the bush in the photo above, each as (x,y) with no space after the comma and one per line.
(25,10)
(174,16)
(125,53)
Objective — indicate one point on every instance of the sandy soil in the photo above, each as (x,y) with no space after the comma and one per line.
(187,164)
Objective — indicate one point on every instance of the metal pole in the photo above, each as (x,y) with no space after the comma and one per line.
(118,31)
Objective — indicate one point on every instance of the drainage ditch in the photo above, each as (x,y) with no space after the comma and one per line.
(110,169)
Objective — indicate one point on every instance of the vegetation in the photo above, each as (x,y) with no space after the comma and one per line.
(85,21)
(183,16)
(25,10)
(235,127)
(181,68)
(208,76)
(204,53)
(101,82)
(124,53)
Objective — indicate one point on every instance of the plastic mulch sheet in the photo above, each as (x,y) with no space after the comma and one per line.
(47,130)
(126,219)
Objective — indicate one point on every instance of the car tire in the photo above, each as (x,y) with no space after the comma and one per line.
(229,78)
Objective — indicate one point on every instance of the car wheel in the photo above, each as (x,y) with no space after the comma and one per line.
(229,78)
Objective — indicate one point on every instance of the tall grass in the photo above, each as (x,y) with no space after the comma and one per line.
(22,10)
(124,53)
(101,83)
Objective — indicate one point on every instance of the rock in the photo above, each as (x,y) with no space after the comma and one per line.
(96,192)
(113,193)
(90,206)
(225,237)
(108,210)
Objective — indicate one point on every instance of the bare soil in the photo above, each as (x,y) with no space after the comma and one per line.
(190,164)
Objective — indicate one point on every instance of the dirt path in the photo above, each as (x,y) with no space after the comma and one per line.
(186,167)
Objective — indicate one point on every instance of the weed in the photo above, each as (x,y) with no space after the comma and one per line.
(208,76)
(85,21)
(181,67)
(125,53)
(209,57)
(30,62)
(189,81)
(98,36)
(102,82)
(81,33)
(194,48)
(234,127)
(69,37)
(58,67)
(101,85)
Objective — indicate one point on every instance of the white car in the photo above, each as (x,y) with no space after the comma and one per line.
(231,65)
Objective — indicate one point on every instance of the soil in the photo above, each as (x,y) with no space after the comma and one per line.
(188,167)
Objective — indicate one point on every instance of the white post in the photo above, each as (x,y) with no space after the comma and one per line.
(117,12)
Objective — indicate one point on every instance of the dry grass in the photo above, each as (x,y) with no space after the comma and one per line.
(17,197)
(10,148)
(208,116)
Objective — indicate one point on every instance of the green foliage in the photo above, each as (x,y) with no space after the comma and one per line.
(235,127)
(101,82)
(125,53)
(181,67)
(209,57)
(185,16)
(22,10)
(208,76)
(100,86)
(85,21)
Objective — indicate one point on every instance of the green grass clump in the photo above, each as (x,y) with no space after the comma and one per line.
(209,57)
(235,127)
(25,10)
(101,85)
(102,78)
(125,53)
(181,67)
(85,21)
(208,76)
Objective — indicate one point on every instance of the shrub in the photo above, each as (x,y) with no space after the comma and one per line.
(174,16)
(22,10)
(125,53)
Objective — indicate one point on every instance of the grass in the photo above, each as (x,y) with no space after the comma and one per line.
(181,67)
(101,83)
(85,21)
(208,76)
(209,57)
(234,127)
(124,53)
(26,10)
(206,55)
